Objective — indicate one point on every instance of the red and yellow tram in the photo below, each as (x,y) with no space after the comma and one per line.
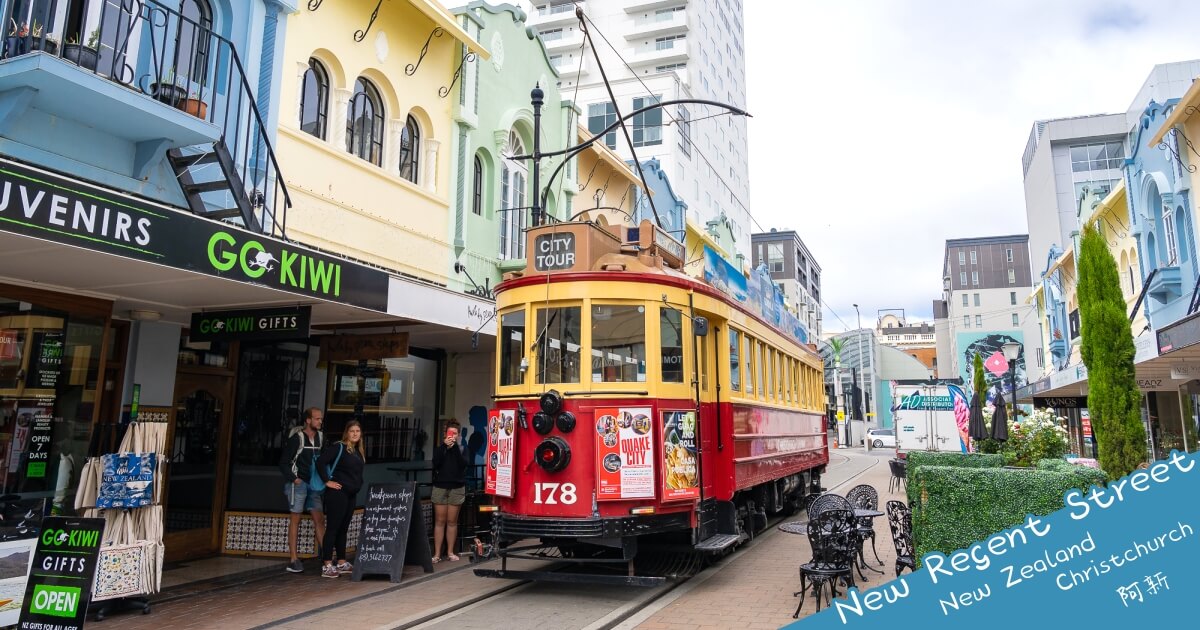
(637,404)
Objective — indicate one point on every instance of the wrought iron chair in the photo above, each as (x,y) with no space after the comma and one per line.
(831,537)
(900,521)
(865,497)
(825,502)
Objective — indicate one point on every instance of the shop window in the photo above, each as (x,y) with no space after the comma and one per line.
(670,331)
(512,348)
(557,345)
(618,344)
(49,370)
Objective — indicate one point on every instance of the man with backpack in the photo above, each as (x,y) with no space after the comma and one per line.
(303,486)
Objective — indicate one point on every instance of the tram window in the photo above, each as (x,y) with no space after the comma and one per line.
(701,341)
(769,370)
(749,353)
(512,347)
(670,328)
(760,353)
(618,344)
(780,375)
(735,375)
(558,345)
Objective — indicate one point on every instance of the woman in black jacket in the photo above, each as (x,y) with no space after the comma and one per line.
(449,491)
(341,468)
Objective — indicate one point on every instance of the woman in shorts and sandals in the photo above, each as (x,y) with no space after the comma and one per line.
(449,491)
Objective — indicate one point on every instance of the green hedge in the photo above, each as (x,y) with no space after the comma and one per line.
(955,507)
(917,459)
(1087,475)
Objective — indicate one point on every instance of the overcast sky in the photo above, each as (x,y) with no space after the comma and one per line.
(884,127)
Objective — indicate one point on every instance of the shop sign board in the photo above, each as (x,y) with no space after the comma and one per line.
(364,347)
(501,452)
(624,454)
(1181,334)
(260,324)
(389,535)
(1085,422)
(1060,402)
(60,586)
(42,205)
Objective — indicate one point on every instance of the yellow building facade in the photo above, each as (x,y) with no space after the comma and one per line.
(607,185)
(365,128)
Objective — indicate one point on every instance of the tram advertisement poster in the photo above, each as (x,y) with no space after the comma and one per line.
(681,479)
(501,449)
(624,454)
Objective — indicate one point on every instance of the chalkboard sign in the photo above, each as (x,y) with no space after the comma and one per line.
(392,532)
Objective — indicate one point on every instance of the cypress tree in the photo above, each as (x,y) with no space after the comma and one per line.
(1107,350)
(980,381)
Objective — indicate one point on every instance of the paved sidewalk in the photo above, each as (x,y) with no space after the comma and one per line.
(753,589)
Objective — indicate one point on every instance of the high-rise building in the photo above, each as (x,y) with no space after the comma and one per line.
(1064,160)
(794,269)
(987,281)
(662,50)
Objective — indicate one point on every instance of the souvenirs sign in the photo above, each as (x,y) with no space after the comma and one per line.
(501,451)
(681,470)
(624,454)
(389,535)
(60,580)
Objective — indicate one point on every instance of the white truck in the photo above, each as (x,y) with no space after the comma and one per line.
(930,416)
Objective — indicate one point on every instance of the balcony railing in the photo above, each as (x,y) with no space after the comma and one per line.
(178,60)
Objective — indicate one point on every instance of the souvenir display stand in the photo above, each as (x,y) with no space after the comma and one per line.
(131,558)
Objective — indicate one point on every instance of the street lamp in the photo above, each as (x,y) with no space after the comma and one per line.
(1012,350)
(861,369)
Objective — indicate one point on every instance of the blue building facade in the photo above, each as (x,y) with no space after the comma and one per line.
(1160,209)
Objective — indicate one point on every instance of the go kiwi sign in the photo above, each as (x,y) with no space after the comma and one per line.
(42,205)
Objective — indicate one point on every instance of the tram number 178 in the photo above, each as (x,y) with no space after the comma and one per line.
(554,493)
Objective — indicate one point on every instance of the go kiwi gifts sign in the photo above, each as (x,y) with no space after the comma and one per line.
(41,205)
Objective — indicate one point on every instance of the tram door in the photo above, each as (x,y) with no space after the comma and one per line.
(713,423)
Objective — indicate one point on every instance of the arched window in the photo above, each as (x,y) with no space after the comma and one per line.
(477,187)
(410,149)
(314,99)
(513,175)
(193,41)
(364,123)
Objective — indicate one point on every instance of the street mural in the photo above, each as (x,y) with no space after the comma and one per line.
(990,346)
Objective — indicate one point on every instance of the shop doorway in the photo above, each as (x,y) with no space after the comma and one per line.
(198,452)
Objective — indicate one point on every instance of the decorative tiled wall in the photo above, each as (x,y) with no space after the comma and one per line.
(262,534)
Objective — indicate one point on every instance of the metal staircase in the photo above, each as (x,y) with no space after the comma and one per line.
(213,187)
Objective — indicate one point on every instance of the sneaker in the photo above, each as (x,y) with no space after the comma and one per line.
(344,567)
(295,566)
(329,571)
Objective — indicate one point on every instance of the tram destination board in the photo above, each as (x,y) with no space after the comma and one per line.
(554,251)
(392,532)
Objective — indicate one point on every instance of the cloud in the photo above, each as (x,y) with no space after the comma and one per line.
(904,122)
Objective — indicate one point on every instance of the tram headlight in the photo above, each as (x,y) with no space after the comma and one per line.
(542,423)
(565,422)
(553,454)
(551,402)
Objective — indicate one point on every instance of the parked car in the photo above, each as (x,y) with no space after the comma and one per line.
(879,438)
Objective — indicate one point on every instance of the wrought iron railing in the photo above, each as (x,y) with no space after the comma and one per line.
(173,57)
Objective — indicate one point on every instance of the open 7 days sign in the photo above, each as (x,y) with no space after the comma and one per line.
(41,205)
(60,578)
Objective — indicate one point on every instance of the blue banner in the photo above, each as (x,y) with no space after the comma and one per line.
(757,294)
(1120,556)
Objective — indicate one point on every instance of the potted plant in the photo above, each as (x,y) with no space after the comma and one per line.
(43,42)
(194,105)
(167,91)
(84,55)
